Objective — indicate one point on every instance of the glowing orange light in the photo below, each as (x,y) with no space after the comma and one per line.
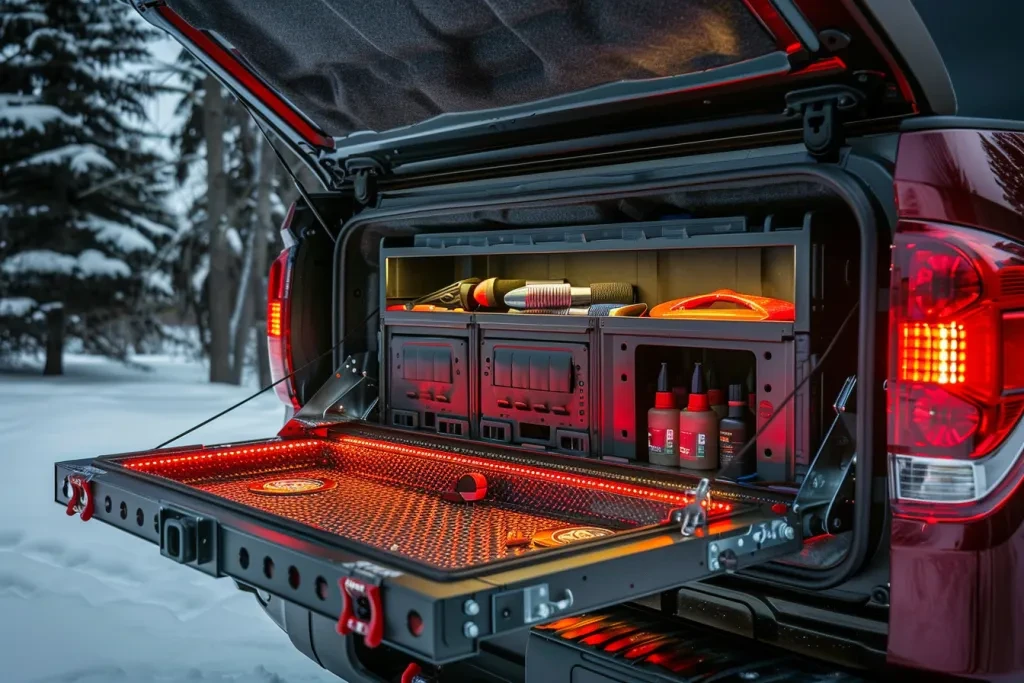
(934,353)
(274,319)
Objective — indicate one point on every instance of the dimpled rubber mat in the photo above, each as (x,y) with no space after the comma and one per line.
(389,495)
(416,524)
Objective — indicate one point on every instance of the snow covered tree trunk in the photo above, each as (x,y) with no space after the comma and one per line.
(54,340)
(264,222)
(218,282)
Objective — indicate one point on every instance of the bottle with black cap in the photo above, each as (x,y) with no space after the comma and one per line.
(698,428)
(733,432)
(663,425)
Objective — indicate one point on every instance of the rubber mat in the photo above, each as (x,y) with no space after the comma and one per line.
(391,496)
(416,524)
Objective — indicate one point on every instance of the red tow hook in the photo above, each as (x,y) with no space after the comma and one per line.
(361,611)
(80,499)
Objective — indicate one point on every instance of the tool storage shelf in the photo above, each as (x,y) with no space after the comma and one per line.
(581,385)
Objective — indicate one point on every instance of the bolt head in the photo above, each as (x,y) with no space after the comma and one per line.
(471,608)
(788,532)
(544,610)
(470,629)
(713,548)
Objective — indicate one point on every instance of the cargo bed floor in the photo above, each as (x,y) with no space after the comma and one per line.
(417,524)
(389,495)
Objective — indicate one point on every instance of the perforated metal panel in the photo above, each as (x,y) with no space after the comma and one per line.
(388,495)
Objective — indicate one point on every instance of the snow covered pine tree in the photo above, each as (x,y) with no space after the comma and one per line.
(77,252)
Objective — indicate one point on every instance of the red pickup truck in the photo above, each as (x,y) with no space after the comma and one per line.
(542,226)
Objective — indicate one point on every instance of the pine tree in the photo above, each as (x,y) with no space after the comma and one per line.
(231,236)
(77,251)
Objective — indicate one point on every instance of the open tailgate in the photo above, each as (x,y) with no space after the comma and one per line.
(379,549)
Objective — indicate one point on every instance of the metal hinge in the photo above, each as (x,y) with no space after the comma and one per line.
(823,110)
(364,173)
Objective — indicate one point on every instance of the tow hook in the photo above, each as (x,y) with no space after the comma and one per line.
(361,611)
(78,489)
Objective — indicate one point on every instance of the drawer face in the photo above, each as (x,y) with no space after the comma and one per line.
(540,390)
(428,387)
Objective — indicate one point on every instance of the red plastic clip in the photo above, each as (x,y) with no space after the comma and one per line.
(412,673)
(361,611)
(80,498)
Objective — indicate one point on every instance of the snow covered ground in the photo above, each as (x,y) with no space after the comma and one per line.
(84,603)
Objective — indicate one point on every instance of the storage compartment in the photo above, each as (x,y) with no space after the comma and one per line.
(754,303)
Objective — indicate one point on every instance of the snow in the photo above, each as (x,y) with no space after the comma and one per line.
(16,306)
(80,158)
(126,238)
(159,281)
(29,116)
(92,263)
(39,262)
(85,603)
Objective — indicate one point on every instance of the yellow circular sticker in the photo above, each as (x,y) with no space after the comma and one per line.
(292,486)
(551,538)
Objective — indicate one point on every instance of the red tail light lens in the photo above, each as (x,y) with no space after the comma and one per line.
(279,281)
(955,390)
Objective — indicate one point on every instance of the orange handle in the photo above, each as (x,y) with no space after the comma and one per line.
(759,308)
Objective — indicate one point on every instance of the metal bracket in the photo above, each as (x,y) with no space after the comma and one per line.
(695,515)
(819,500)
(350,393)
(724,554)
(538,605)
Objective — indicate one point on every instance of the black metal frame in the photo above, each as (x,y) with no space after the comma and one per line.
(267,554)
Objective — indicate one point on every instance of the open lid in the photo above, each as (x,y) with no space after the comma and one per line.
(402,86)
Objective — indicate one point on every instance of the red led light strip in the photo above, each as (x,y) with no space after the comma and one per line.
(591,483)
(227,61)
(221,453)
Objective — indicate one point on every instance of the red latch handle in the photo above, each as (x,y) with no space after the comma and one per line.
(361,611)
(80,498)
(754,307)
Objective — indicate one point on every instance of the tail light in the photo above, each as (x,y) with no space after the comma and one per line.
(279,282)
(956,371)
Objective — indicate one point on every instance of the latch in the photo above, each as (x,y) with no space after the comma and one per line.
(364,172)
(695,515)
(78,489)
(725,553)
(361,611)
(822,110)
(527,606)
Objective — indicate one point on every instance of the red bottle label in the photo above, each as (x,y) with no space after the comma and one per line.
(693,445)
(661,440)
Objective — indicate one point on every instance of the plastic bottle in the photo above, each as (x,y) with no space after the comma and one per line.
(663,425)
(698,428)
(716,397)
(733,432)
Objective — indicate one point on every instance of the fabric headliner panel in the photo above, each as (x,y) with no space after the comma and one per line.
(382,64)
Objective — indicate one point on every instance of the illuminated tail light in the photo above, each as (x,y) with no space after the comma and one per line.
(279,282)
(956,382)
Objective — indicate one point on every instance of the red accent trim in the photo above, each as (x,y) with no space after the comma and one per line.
(81,499)
(224,58)
(773,22)
(372,628)
(411,672)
